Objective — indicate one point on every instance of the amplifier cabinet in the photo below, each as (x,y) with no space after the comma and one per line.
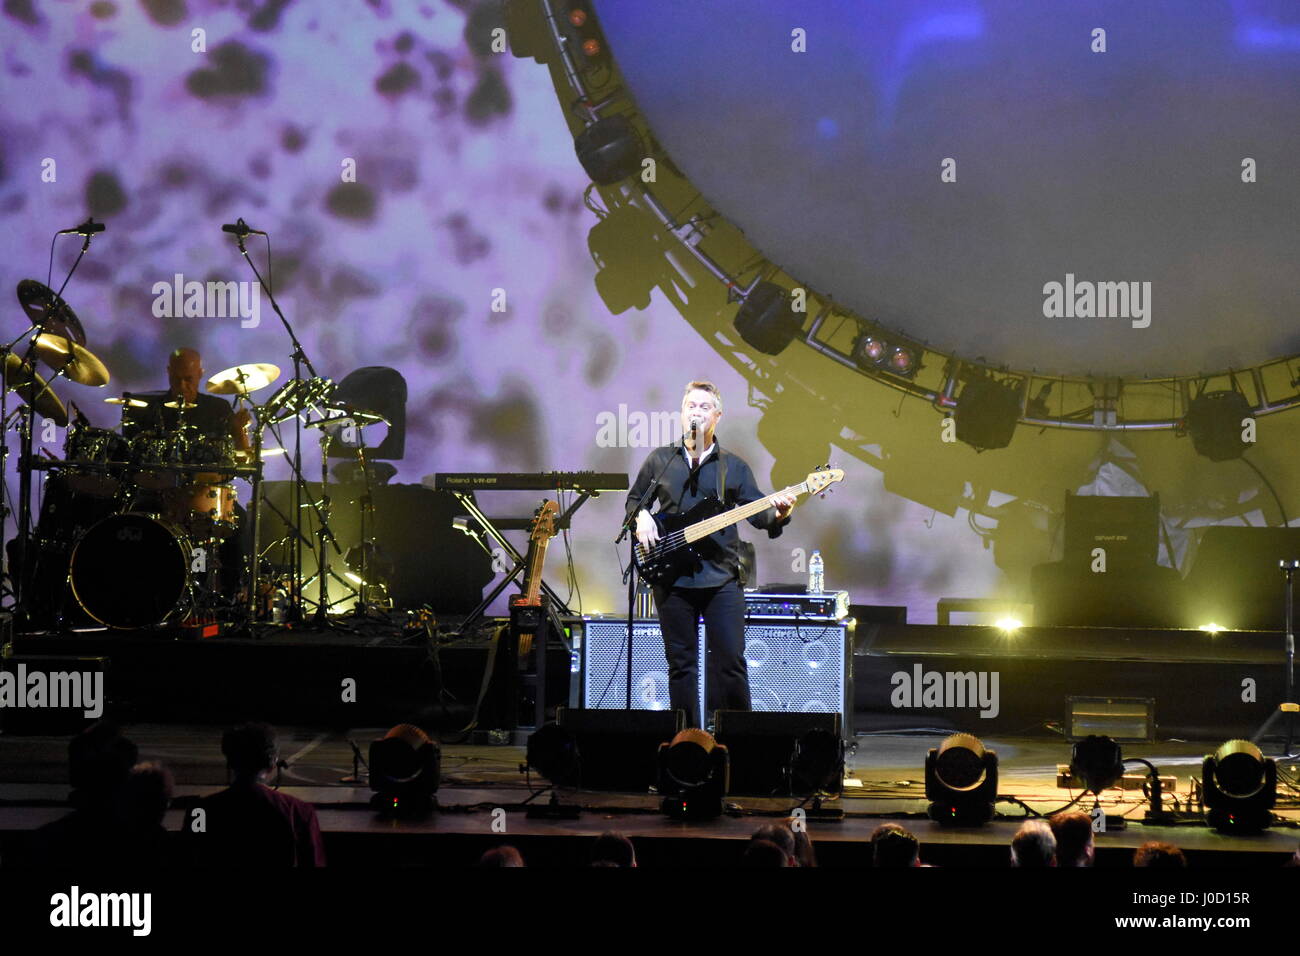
(794,666)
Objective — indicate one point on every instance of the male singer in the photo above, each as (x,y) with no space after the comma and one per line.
(688,472)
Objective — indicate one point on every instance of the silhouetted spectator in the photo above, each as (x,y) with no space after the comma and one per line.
(780,835)
(99,762)
(763,854)
(142,804)
(248,824)
(613,848)
(1073,832)
(1160,855)
(893,847)
(804,855)
(1033,845)
(500,857)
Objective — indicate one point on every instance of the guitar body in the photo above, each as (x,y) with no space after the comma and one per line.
(662,566)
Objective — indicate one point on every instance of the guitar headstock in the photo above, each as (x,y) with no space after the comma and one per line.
(819,481)
(544,521)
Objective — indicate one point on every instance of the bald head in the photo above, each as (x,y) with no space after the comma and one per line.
(185,373)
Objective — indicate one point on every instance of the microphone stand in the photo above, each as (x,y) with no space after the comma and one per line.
(21,580)
(295,611)
(630,575)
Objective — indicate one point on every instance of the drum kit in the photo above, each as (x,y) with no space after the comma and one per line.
(133,524)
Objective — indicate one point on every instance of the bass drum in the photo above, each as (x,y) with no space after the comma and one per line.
(131,570)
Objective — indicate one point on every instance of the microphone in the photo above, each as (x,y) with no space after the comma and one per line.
(241,229)
(87,228)
(82,420)
(695,427)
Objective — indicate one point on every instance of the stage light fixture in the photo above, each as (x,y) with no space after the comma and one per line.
(1098,761)
(610,150)
(693,770)
(405,766)
(1215,422)
(765,320)
(1009,624)
(961,781)
(553,752)
(1240,788)
(873,351)
(987,412)
(817,766)
(1212,628)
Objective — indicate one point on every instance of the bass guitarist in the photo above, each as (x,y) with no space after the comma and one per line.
(708,585)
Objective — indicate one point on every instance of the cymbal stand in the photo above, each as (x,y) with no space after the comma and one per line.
(323,534)
(25,456)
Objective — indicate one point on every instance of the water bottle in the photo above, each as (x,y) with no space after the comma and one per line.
(816,574)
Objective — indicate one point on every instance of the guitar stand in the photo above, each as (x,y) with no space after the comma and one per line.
(557,604)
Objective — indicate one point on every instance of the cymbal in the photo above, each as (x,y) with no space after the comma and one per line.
(247,454)
(181,405)
(77,363)
(29,385)
(39,302)
(131,402)
(243,379)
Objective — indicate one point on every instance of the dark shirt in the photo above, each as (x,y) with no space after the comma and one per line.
(680,490)
(251,825)
(211,416)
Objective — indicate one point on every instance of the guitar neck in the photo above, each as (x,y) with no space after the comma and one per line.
(702,529)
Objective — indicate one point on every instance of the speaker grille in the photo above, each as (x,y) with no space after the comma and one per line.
(797,667)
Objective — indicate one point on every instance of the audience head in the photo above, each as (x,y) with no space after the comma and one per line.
(1033,845)
(500,857)
(1156,854)
(778,835)
(613,849)
(1073,832)
(764,854)
(99,760)
(804,855)
(894,847)
(251,750)
(147,794)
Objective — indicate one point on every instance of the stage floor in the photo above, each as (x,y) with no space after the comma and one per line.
(885,773)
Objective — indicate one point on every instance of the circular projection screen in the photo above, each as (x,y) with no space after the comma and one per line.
(1118,175)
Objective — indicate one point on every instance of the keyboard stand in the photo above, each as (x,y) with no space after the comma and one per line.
(556,605)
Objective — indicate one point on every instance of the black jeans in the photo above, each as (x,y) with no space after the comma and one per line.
(727,679)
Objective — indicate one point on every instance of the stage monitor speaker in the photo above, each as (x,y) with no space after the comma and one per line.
(799,666)
(617,748)
(764,747)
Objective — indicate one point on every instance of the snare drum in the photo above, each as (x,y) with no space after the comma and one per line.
(131,570)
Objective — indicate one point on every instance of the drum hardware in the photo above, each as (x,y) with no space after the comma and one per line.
(46,311)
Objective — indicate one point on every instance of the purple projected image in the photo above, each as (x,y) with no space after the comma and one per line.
(425,212)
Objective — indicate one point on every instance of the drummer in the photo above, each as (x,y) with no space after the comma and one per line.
(210,415)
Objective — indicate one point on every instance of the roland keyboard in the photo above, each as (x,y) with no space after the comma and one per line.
(586,482)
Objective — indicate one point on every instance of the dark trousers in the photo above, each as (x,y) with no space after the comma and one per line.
(727,679)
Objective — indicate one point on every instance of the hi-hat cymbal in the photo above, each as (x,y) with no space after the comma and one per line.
(181,405)
(130,402)
(33,390)
(48,311)
(77,363)
(243,379)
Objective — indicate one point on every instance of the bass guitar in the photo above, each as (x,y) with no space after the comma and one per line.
(675,553)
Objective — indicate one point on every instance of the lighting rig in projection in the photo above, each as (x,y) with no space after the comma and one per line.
(639,183)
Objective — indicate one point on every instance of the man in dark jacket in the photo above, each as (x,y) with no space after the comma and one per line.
(682,475)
